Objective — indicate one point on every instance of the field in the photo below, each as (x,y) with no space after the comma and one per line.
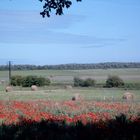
(50,113)
(66,120)
(66,76)
(66,94)
(57,90)
(12,111)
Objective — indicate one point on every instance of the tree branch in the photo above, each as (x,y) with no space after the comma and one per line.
(57,5)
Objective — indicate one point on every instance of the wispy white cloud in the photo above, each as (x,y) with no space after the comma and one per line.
(26,27)
(31,20)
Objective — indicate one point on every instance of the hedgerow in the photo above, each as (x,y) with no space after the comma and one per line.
(28,81)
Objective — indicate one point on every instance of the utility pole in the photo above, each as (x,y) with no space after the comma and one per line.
(9,72)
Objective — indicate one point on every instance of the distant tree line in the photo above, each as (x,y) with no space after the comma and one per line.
(108,65)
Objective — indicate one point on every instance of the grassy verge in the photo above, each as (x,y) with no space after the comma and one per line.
(59,94)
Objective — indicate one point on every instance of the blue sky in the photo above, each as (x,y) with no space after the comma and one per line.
(89,32)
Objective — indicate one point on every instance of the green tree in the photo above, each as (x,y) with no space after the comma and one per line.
(16,80)
(89,82)
(114,81)
(78,82)
(83,82)
(34,80)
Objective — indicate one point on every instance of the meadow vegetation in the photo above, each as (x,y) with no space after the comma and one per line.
(50,113)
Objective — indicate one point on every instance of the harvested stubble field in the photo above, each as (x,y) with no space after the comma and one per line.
(25,94)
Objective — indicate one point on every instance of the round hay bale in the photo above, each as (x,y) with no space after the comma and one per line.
(76,97)
(34,88)
(68,87)
(8,89)
(128,96)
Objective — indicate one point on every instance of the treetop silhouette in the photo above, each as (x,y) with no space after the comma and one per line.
(57,5)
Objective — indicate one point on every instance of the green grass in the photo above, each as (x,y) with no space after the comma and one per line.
(66,76)
(65,94)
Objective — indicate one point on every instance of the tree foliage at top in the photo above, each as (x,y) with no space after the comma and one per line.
(56,5)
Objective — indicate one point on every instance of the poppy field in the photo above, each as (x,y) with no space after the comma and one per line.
(69,111)
(69,120)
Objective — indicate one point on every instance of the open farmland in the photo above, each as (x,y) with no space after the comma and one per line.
(25,94)
(60,77)
(50,113)
(131,75)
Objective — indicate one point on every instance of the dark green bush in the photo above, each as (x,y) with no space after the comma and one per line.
(84,83)
(114,81)
(78,82)
(16,80)
(89,82)
(28,81)
(34,80)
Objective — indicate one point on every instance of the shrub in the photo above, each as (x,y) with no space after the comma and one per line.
(89,82)
(84,83)
(114,81)
(78,82)
(28,81)
(34,80)
(16,80)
